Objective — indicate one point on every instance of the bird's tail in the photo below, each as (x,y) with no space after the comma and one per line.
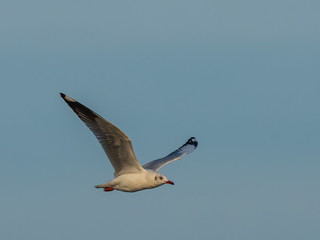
(104,185)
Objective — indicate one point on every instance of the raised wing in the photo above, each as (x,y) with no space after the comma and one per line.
(115,143)
(185,149)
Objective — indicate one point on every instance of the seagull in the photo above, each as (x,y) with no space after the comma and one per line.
(129,175)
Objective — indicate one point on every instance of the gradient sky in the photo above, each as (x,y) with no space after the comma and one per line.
(240,76)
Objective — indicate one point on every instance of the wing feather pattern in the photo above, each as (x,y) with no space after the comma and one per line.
(116,144)
(185,149)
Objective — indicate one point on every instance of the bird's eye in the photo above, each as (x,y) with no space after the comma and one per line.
(156,178)
(161,177)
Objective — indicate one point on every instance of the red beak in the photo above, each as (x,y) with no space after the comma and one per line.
(169,182)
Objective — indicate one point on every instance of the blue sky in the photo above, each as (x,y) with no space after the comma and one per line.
(241,76)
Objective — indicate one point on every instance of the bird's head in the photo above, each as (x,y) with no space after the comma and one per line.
(161,179)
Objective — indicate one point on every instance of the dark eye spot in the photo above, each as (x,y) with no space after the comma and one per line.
(161,177)
(156,178)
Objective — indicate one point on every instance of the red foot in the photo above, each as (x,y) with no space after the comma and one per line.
(108,189)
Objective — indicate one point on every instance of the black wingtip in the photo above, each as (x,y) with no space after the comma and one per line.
(193,141)
(62,95)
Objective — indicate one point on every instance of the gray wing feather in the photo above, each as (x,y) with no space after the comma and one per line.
(185,149)
(116,144)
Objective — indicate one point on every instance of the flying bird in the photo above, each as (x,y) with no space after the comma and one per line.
(129,175)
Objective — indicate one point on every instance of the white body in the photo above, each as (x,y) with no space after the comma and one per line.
(133,182)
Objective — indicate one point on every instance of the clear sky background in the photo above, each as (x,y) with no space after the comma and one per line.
(240,76)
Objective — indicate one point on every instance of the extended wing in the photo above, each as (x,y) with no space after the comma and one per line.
(115,143)
(185,149)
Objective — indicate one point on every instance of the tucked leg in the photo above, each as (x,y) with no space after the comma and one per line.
(108,189)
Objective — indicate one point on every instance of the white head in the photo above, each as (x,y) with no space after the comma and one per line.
(161,179)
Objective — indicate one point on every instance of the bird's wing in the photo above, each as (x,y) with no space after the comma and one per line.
(185,149)
(115,143)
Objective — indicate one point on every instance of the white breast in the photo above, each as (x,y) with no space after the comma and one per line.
(135,181)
